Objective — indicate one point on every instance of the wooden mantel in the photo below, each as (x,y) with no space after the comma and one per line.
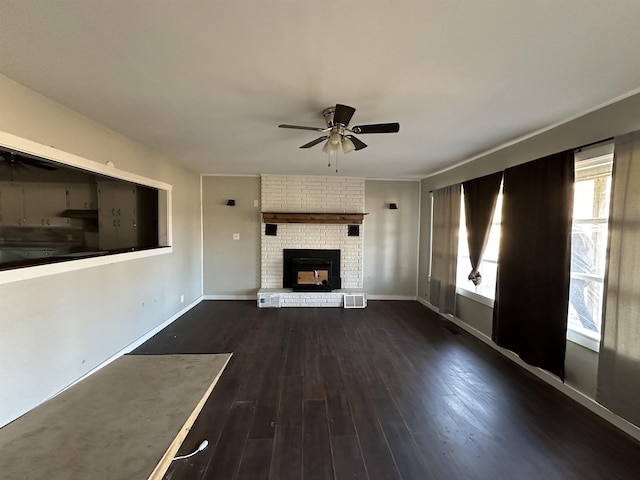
(294,217)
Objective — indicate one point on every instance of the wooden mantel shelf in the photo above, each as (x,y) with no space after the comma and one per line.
(293,217)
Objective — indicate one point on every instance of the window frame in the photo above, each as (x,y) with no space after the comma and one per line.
(462,289)
(598,155)
(595,156)
(30,147)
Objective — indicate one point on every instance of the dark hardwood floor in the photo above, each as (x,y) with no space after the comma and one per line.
(387,392)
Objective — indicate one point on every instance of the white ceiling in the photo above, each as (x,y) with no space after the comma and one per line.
(208,81)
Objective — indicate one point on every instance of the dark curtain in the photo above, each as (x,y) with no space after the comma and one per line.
(532,292)
(480,197)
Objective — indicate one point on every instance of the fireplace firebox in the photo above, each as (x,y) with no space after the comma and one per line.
(307,270)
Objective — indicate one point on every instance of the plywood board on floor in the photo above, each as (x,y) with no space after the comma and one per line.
(120,423)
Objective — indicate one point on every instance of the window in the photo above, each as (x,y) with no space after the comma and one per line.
(592,190)
(488,267)
(56,208)
(589,243)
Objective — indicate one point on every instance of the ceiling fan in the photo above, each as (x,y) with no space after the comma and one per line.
(18,162)
(337,132)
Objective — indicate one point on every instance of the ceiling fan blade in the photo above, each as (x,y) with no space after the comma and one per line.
(315,142)
(343,114)
(32,162)
(377,128)
(359,144)
(300,127)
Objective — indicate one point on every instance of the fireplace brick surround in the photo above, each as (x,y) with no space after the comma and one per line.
(303,194)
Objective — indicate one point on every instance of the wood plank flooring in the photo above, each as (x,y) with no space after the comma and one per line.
(387,392)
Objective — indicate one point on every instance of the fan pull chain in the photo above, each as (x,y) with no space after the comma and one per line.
(329,164)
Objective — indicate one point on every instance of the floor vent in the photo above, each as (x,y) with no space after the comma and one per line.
(355,301)
(269,301)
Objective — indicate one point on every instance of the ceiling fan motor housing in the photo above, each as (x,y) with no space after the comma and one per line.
(328,114)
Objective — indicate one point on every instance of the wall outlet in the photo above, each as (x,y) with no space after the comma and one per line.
(181,298)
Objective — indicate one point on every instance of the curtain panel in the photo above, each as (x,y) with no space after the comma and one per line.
(619,364)
(480,197)
(444,248)
(532,292)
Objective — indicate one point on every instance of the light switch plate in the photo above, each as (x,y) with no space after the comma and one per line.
(256,203)
(236,236)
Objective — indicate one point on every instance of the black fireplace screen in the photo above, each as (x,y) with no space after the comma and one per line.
(311,270)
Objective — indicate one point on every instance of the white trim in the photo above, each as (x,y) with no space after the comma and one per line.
(388,179)
(36,271)
(426,304)
(463,292)
(588,276)
(581,398)
(574,336)
(589,221)
(201,239)
(583,338)
(390,297)
(229,297)
(535,133)
(30,147)
(417,279)
(169,213)
(430,237)
(230,175)
(135,344)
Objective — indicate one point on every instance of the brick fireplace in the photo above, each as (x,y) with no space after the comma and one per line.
(305,194)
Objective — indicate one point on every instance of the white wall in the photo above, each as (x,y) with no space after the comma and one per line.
(616,119)
(56,328)
(391,239)
(231,267)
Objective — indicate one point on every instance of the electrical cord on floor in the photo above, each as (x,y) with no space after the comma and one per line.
(202,446)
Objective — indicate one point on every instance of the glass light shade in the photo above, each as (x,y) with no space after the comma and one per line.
(347,145)
(335,139)
(329,147)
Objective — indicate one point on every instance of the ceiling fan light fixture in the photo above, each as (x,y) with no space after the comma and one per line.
(329,147)
(337,132)
(347,145)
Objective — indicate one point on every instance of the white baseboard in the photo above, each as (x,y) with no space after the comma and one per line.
(132,346)
(426,304)
(390,297)
(230,297)
(581,398)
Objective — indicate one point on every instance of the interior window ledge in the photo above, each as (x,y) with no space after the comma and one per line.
(36,271)
(587,340)
(475,296)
